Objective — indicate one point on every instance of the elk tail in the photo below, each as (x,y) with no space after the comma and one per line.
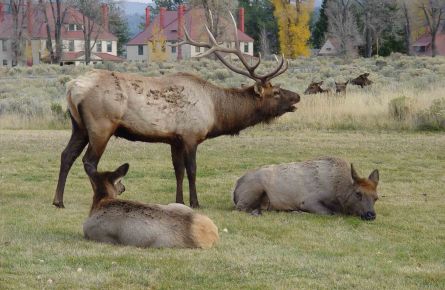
(204,231)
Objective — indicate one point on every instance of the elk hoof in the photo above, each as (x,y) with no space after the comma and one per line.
(256,212)
(194,205)
(58,204)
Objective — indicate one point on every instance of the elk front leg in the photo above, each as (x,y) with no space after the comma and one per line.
(178,164)
(190,165)
(77,143)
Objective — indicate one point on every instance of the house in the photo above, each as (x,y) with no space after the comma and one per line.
(152,44)
(332,47)
(424,47)
(35,37)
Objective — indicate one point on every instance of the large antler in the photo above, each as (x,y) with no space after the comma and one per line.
(214,47)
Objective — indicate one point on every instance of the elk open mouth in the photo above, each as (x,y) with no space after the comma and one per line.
(293,108)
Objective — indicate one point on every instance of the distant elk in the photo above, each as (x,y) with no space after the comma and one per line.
(125,222)
(340,88)
(362,80)
(315,88)
(182,110)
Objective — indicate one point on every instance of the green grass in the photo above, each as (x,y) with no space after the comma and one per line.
(43,247)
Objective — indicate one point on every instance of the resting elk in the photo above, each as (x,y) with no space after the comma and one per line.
(315,88)
(362,80)
(182,110)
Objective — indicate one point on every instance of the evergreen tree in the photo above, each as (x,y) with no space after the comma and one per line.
(259,18)
(321,27)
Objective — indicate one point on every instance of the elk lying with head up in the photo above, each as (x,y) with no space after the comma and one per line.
(327,185)
(315,88)
(181,110)
(131,223)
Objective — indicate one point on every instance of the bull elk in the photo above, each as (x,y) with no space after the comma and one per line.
(182,110)
(125,222)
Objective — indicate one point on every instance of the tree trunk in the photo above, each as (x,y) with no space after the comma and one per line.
(433,44)
(368,51)
(407,29)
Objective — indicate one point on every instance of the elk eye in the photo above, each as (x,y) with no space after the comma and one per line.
(359,195)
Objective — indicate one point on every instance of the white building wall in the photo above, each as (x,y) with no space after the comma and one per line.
(133,55)
(6,55)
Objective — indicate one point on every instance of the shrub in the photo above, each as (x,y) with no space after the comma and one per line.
(432,118)
(400,108)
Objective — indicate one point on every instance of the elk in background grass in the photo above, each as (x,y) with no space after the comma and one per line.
(181,110)
(315,88)
(362,80)
(340,88)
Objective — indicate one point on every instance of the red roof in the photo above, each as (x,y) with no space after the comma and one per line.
(194,19)
(73,56)
(73,16)
(425,40)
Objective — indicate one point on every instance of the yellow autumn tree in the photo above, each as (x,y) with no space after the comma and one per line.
(293,26)
(157,45)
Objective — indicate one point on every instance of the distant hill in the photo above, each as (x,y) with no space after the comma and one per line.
(135,14)
(132,8)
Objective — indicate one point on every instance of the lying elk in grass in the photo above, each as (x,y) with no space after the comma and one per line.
(340,88)
(362,80)
(181,110)
(118,221)
(315,88)
(323,186)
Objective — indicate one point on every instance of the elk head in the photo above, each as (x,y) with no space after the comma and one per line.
(340,88)
(106,184)
(278,100)
(363,195)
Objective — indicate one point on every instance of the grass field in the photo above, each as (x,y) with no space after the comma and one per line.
(404,248)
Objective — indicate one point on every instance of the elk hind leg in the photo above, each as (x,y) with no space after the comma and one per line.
(76,144)
(98,140)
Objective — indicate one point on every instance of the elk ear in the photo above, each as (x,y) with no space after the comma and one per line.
(90,170)
(374,177)
(354,174)
(244,86)
(259,90)
(120,172)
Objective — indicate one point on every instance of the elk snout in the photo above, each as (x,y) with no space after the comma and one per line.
(369,215)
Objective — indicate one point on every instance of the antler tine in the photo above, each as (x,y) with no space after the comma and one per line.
(236,30)
(283,70)
(258,62)
(274,73)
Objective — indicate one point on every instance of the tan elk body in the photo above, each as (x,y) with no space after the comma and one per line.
(132,223)
(181,110)
(324,186)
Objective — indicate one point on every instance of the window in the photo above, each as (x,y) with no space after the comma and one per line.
(5,62)
(140,50)
(71,45)
(71,27)
(79,27)
(328,49)
(4,45)
(246,47)
(173,49)
(109,46)
(99,46)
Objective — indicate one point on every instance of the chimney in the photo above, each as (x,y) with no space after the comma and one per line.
(241,19)
(147,16)
(161,17)
(1,12)
(180,28)
(105,17)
